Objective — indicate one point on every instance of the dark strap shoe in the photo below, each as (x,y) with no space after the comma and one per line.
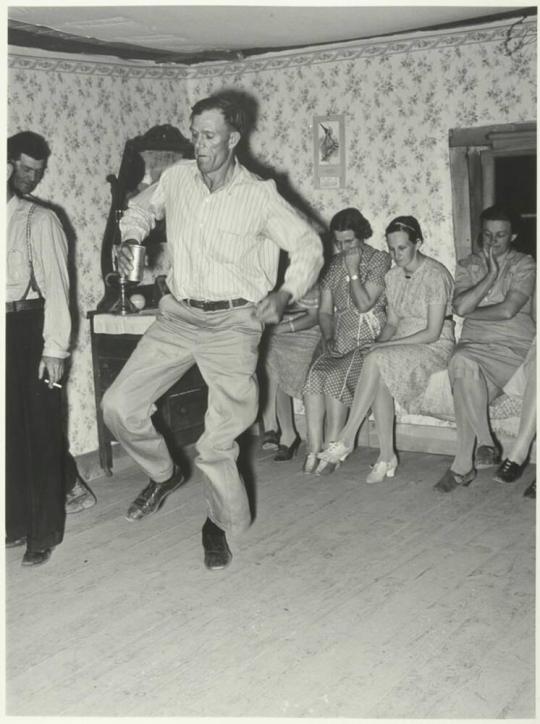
(36,558)
(286,452)
(153,496)
(15,542)
(509,471)
(217,554)
(451,480)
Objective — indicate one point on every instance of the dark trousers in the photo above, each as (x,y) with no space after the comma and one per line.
(36,454)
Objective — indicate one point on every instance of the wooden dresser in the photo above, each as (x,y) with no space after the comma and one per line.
(180,413)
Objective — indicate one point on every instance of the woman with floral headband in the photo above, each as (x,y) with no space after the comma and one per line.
(416,341)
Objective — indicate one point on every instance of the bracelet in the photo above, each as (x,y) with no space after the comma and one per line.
(353,277)
(291,325)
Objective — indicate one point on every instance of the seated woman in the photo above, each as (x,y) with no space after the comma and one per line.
(351,314)
(417,340)
(522,385)
(288,354)
(493,293)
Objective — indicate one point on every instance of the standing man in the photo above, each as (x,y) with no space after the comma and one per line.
(38,327)
(225,229)
(493,293)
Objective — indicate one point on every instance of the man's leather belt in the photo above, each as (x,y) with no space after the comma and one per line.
(24,305)
(215,306)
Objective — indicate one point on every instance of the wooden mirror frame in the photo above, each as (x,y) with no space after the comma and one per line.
(125,184)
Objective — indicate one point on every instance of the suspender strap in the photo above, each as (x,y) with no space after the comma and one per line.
(32,284)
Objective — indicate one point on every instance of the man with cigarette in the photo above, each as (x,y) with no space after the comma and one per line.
(225,229)
(39,468)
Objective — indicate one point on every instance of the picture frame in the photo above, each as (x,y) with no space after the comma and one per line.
(329,151)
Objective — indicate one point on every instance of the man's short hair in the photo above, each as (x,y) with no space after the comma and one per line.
(499,212)
(29,143)
(230,106)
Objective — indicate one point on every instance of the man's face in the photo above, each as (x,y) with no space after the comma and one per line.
(27,173)
(497,235)
(213,141)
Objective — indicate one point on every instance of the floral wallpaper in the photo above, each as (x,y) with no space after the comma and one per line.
(400,97)
(86,111)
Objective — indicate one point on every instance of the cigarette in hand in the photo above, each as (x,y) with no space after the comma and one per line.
(54,384)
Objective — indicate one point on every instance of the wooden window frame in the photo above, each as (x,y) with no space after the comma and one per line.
(472,171)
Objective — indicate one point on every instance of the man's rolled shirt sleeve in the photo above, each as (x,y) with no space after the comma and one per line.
(142,213)
(49,255)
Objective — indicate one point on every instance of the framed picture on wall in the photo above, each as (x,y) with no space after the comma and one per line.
(329,151)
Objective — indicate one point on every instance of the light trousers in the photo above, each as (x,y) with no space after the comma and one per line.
(224,344)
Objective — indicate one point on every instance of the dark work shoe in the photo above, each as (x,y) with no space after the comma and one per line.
(153,496)
(531,490)
(36,558)
(15,542)
(487,456)
(509,471)
(217,553)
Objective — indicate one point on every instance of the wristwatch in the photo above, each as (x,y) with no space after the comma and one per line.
(352,278)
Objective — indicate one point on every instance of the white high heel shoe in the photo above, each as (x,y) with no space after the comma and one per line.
(332,457)
(382,470)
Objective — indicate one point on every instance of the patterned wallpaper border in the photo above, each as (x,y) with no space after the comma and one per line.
(526,32)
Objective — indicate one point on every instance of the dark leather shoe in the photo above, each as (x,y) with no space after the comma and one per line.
(36,558)
(509,471)
(153,496)
(451,480)
(14,542)
(217,554)
(286,452)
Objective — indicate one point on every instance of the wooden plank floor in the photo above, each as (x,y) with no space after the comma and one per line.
(343,600)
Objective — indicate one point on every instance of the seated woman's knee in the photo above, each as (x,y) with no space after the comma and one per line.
(461,366)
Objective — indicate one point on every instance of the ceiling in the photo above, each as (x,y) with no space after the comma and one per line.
(195,33)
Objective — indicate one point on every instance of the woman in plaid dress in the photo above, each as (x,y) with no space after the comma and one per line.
(351,315)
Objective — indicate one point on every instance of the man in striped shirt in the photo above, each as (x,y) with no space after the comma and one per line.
(225,229)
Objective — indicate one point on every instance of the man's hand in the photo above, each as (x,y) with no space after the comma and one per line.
(52,368)
(270,309)
(124,257)
(282,328)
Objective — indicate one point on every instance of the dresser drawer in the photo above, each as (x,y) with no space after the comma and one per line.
(184,410)
(119,346)
(192,380)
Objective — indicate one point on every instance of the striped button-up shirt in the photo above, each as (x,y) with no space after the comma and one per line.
(225,244)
